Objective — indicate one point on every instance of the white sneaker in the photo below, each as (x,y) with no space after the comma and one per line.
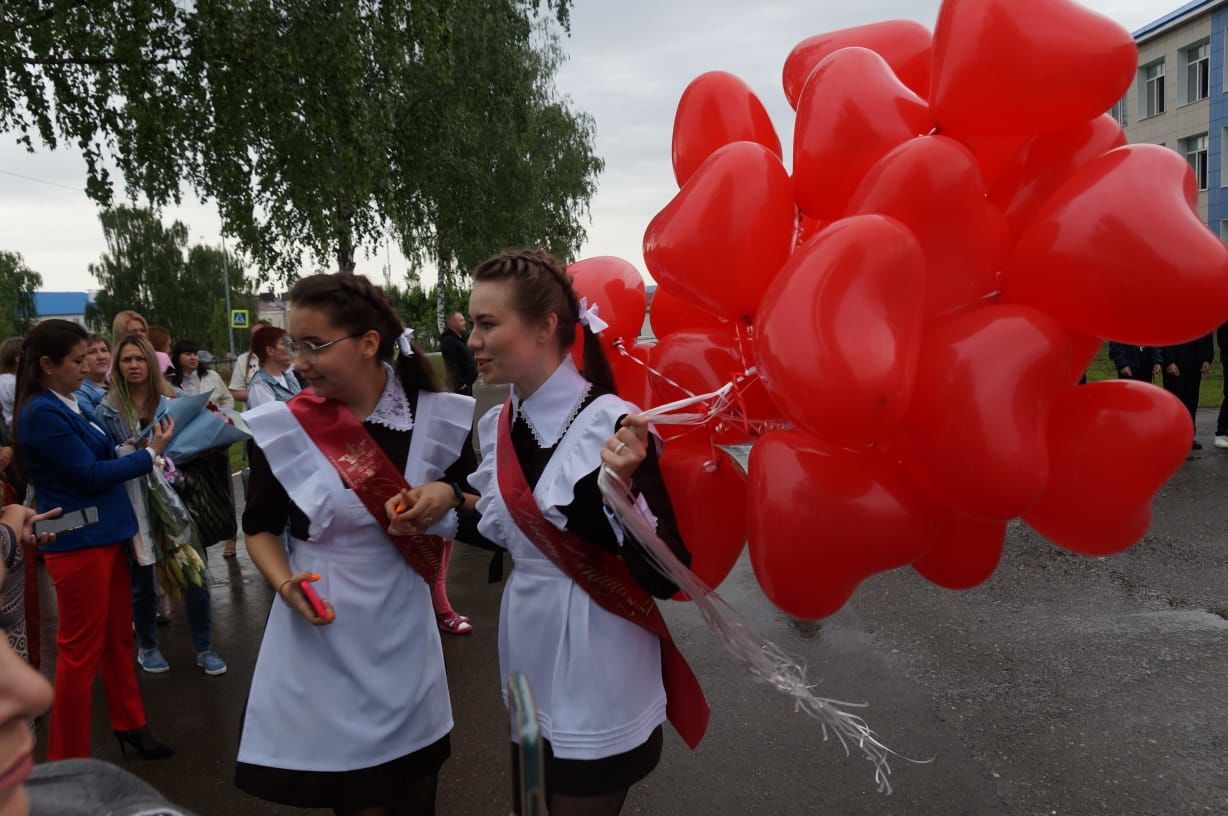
(1221,441)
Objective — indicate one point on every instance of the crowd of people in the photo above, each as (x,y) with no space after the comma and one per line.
(363,471)
(357,489)
(1181,369)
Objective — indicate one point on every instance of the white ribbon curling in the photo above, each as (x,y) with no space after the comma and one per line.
(589,317)
(404,341)
(766,661)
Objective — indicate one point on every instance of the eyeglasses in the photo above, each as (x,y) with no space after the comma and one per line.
(310,349)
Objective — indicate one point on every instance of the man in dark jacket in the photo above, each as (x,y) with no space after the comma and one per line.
(457,358)
(1184,366)
(1221,426)
(1140,363)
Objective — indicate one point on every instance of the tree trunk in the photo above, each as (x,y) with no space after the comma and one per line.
(441,295)
(345,241)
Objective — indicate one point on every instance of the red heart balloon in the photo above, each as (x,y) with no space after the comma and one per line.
(1117,251)
(807,229)
(708,493)
(904,44)
(717,108)
(699,361)
(838,332)
(724,237)
(823,519)
(1084,349)
(1046,162)
(963,239)
(617,289)
(852,111)
(975,427)
(668,313)
(630,368)
(1112,445)
(1005,67)
(965,552)
(995,153)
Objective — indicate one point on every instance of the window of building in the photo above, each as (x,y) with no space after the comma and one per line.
(1223,150)
(1151,90)
(1198,71)
(1118,112)
(1195,150)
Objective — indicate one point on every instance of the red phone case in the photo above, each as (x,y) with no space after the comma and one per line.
(313,598)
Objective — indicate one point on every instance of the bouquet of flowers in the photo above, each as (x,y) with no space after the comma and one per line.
(199,430)
(176,545)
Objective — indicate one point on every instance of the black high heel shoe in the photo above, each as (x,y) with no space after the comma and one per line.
(143,743)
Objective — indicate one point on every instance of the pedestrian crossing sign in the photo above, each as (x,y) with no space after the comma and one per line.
(238,319)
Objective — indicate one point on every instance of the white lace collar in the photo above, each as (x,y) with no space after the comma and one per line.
(553,407)
(393,411)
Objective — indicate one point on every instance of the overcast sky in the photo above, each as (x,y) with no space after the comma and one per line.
(630,62)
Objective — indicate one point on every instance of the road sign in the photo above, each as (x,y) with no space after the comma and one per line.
(238,319)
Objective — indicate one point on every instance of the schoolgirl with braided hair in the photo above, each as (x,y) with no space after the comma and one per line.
(578,616)
(349,709)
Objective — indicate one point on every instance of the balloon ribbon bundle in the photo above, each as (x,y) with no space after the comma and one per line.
(766,661)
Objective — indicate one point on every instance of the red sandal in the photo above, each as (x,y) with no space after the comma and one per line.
(453,623)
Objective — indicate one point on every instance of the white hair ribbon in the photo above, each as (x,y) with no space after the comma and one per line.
(589,317)
(403,342)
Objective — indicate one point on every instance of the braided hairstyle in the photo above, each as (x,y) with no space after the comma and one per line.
(356,305)
(541,286)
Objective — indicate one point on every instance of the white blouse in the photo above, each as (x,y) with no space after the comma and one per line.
(596,678)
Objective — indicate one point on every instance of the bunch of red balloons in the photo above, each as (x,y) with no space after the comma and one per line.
(906,315)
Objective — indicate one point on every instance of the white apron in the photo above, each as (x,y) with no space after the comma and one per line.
(370,687)
(596,678)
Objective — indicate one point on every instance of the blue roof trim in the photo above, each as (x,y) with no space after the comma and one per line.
(1173,16)
(48,304)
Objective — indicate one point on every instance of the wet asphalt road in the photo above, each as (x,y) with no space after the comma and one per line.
(1065,685)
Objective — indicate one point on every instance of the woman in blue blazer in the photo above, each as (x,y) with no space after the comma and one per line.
(72,464)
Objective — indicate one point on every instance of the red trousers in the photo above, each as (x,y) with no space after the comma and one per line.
(93,593)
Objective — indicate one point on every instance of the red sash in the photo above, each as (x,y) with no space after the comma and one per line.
(608,581)
(367,470)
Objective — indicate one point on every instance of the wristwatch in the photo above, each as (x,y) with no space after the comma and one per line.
(460,494)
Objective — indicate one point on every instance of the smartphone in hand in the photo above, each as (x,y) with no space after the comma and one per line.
(313,598)
(67,522)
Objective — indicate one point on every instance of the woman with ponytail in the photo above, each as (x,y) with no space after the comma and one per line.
(349,704)
(578,616)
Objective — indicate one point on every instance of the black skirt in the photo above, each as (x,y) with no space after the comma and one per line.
(363,788)
(593,777)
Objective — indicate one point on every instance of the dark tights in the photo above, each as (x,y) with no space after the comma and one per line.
(419,801)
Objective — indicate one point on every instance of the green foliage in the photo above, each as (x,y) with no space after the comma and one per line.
(149,267)
(417,307)
(316,127)
(18,283)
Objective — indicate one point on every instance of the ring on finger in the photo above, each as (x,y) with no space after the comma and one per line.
(622,446)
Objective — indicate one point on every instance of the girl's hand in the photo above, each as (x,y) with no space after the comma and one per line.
(292,594)
(22,519)
(162,434)
(414,511)
(624,451)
